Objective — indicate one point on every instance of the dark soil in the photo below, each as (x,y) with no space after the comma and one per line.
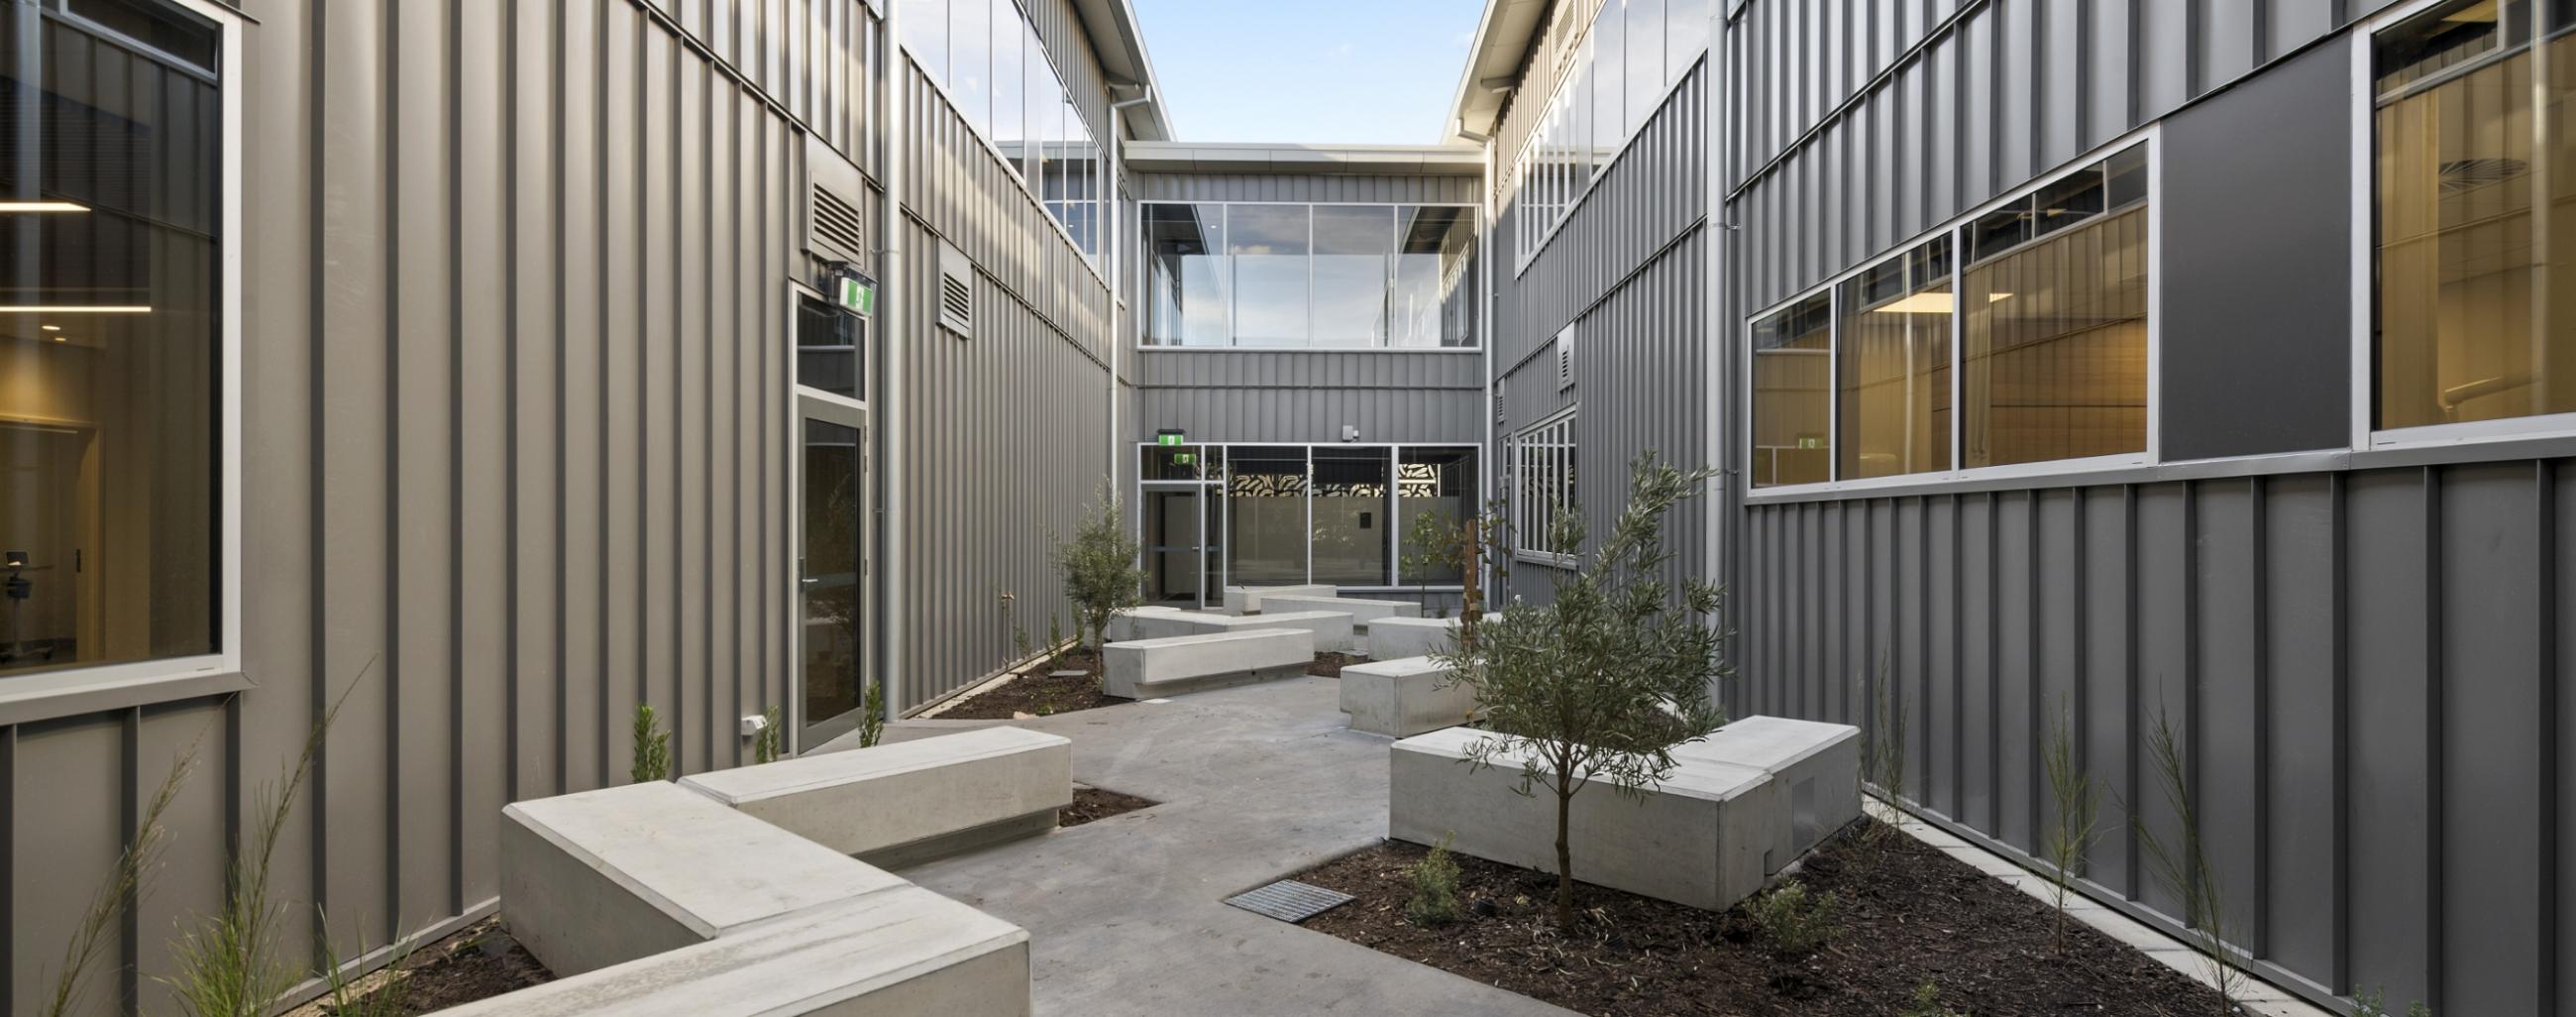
(1091,803)
(1036,694)
(478,962)
(1913,915)
(1329,664)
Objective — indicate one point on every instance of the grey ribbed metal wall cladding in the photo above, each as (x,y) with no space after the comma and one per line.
(515,420)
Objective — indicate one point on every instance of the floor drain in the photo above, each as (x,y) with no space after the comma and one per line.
(1289,900)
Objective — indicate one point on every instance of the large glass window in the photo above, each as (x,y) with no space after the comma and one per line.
(1441,484)
(110,339)
(989,58)
(1273,269)
(827,348)
(1349,525)
(970,59)
(1543,488)
(1793,371)
(1892,365)
(2054,357)
(1608,76)
(1265,494)
(1611,81)
(1011,94)
(1187,275)
(1295,275)
(2471,325)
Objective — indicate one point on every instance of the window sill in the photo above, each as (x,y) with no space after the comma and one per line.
(57,694)
(1168,348)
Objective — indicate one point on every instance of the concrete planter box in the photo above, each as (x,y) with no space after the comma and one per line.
(1147,668)
(908,802)
(1122,626)
(1402,698)
(1362,613)
(1817,764)
(1331,628)
(1247,599)
(604,877)
(893,953)
(1398,638)
(1700,838)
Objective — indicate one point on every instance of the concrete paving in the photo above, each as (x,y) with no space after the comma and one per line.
(1127,914)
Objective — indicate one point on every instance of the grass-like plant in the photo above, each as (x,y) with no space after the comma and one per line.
(1099,566)
(1796,921)
(1435,888)
(1055,640)
(125,887)
(1600,684)
(1884,765)
(2373,1002)
(652,747)
(765,744)
(360,996)
(2181,864)
(230,965)
(2072,821)
(872,713)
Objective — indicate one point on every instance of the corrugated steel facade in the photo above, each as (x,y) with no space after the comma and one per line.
(517,427)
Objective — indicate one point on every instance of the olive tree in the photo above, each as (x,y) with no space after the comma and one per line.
(1600,684)
(1100,571)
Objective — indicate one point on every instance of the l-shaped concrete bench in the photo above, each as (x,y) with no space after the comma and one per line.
(1817,763)
(909,802)
(1147,668)
(710,898)
(1405,697)
(1247,599)
(1395,638)
(1331,628)
(1362,612)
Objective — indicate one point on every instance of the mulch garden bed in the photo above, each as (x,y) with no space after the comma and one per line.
(477,962)
(1036,693)
(1091,803)
(1911,916)
(1329,664)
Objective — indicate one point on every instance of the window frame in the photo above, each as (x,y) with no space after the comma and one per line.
(1218,487)
(1958,475)
(2364,371)
(80,689)
(1522,443)
(1036,190)
(1143,297)
(1530,158)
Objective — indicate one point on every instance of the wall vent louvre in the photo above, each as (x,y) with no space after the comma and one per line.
(956,291)
(1565,359)
(838,225)
(836,193)
(1499,384)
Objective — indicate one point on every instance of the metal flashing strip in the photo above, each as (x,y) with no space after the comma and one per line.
(1289,900)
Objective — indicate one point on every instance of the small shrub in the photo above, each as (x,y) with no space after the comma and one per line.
(2374,1003)
(1055,639)
(872,713)
(2071,823)
(2181,864)
(1099,568)
(764,746)
(1927,1003)
(1795,921)
(1435,888)
(652,747)
(1021,652)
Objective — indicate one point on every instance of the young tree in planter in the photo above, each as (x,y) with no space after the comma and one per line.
(1602,683)
(1100,571)
(1435,541)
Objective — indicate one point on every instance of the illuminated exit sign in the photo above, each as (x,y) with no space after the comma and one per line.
(859,295)
(1167,436)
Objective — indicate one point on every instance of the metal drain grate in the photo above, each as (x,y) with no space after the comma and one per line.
(1289,900)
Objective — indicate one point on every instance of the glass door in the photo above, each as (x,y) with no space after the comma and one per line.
(832,559)
(1176,558)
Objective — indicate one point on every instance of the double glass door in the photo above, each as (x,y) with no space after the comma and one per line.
(1181,552)
(832,555)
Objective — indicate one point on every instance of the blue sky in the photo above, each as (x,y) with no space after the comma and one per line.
(1360,71)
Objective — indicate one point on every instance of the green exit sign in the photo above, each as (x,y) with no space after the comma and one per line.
(1184,459)
(857,295)
(1167,437)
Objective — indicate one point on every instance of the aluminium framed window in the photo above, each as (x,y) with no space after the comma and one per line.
(1543,489)
(2049,283)
(1217,276)
(168,623)
(1611,77)
(2464,172)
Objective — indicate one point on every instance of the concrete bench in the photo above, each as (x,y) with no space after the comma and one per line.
(1398,638)
(1247,599)
(1699,838)
(1331,628)
(1122,626)
(604,877)
(908,802)
(900,951)
(1817,763)
(1147,668)
(1362,613)
(1404,697)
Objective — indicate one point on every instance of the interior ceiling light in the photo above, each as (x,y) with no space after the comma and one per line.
(51,328)
(75,309)
(41,206)
(1927,303)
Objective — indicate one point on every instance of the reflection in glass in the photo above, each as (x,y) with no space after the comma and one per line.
(1350,516)
(833,658)
(1011,92)
(108,477)
(1608,78)
(1435,277)
(1792,377)
(1440,483)
(1269,245)
(970,60)
(1353,244)
(1893,352)
(2055,349)
(1044,112)
(1645,63)
(1266,515)
(925,33)
(1685,35)
(1172,546)
(1186,275)
(827,347)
